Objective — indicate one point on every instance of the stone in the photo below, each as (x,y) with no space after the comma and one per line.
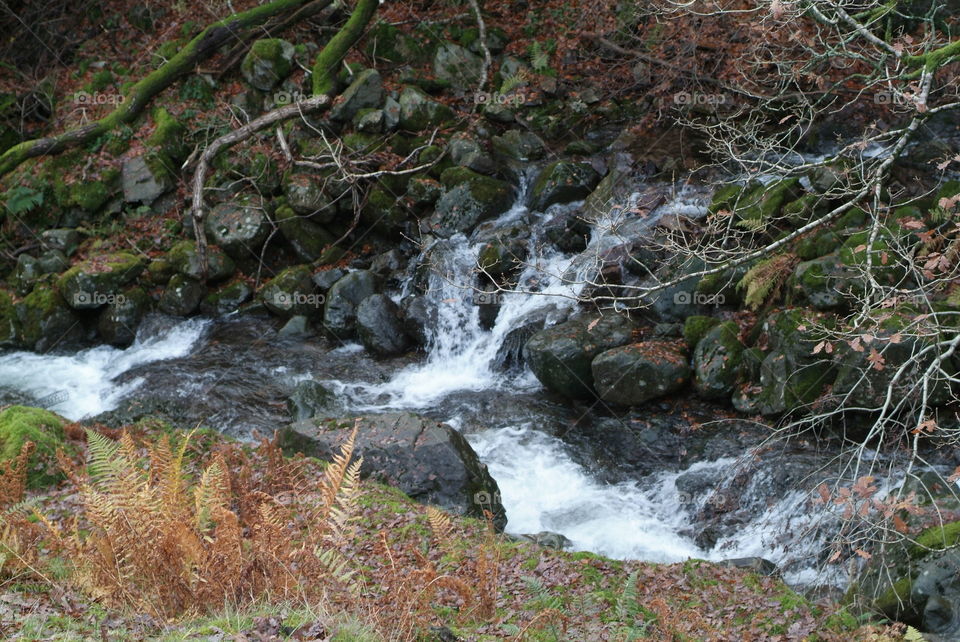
(634,374)
(562,182)
(366,91)
(144,179)
(340,308)
(182,296)
(290,293)
(268,62)
(429,461)
(240,228)
(92,283)
(717,360)
(379,328)
(117,323)
(418,111)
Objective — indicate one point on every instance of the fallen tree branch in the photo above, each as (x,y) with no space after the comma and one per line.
(136,100)
(229,140)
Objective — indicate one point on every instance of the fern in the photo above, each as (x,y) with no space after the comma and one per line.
(513,81)
(764,280)
(539,58)
(22,199)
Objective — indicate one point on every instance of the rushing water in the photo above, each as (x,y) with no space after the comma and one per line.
(544,486)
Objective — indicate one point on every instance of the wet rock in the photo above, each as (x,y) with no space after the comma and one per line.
(325,279)
(240,228)
(296,326)
(546,539)
(291,293)
(560,356)
(567,231)
(717,360)
(370,121)
(182,296)
(311,399)
(227,299)
(379,327)
(634,374)
(340,308)
(366,91)
(184,259)
(468,199)
(827,283)
(92,283)
(419,317)
(756,565)
(562,182)
(118,322)
(504,247)
(45,321)
(429,461)
(509,355)
(268,62)
(418,111)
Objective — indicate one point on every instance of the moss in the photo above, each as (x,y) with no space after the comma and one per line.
(936,538)
(817,245)
(765,202)
(725,198)
(696,327)
(270,50)
(168,135)
(19,424)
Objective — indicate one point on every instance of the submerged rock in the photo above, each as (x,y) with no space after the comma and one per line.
(429,461)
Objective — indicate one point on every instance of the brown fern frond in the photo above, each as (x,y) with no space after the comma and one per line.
(13,476)
(335,473)
(440,526)
(764,280)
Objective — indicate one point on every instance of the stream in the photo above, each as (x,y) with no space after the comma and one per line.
(617,483)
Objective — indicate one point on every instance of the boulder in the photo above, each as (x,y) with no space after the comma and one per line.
(519,145)
(182,296)
(379,328)
(429,461)
(418,111)
(366,91)
(311,399)
(44,321)
(145,178)
(268,62)
(19,424)
(92,283)
(240,227)
(457,66)
(634,374)
(291,293)
(309,240)
(468,199)
(560,356)
(117,323)
(717,360)
(562,182)
(418,317)
(227,299)
(305,195)
(340,308)
(183,258)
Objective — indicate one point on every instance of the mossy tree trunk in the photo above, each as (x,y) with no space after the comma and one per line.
(140,95)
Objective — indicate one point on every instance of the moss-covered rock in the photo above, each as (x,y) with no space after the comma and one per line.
(562,182)
(184,259)
(717,361)
(91,283)
(306,237)
(239,227)
(366,91)
(418,111)
(469,198)
(762,203)
(695,327)
(634,374)
(19,424)
(227,299)
(182,296)
(560,356)
(457,67)
(169,135)
(268,62)
(292,293)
